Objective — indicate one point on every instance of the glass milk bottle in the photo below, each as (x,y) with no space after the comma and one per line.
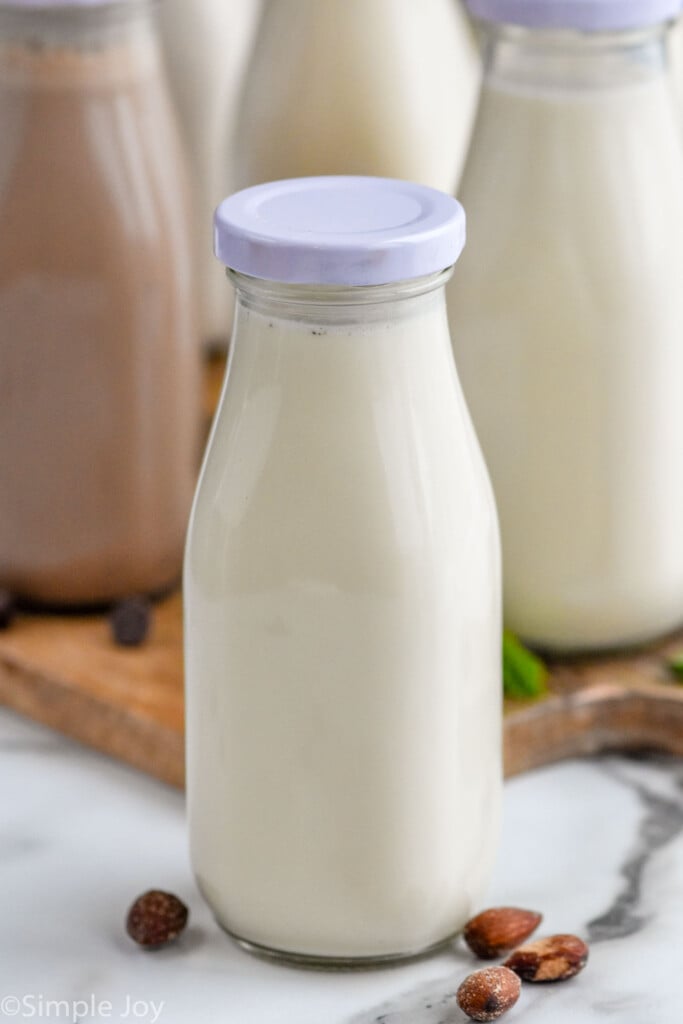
(99,377)
(382,87)
(206,47)
(342,587)
(569,316)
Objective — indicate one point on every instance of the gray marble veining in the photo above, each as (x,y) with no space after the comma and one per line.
(661,824)
(429,1004)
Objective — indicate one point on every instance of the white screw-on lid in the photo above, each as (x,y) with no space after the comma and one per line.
(339,230)
(580,15)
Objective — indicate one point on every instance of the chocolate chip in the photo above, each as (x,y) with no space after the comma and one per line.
(8,609)
(130,621)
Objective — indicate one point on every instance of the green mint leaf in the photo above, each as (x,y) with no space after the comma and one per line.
(524,675)
(675,664)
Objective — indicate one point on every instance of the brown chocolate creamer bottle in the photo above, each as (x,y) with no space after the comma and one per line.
(99,370)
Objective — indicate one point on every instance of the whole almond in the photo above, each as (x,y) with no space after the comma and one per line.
(488,994)
(497,931)
(556,958)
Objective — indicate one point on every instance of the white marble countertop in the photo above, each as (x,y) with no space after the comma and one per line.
(596,845)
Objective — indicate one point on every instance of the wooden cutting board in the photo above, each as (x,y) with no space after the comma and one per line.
(66,672)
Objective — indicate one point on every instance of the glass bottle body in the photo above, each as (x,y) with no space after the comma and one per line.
(343,631)
(569,317)
(100,408)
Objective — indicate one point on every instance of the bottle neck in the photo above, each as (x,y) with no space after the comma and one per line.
(94,48)
(573,60)
(339,306)
(114,23)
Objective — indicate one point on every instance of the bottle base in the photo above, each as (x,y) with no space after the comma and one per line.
(95,606)
(335,963)
(566,651)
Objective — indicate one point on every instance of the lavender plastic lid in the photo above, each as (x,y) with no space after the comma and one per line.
(339,231)
(580,15)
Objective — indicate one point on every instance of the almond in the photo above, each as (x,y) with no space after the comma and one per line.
(489,993)
(553,959)
(497,931)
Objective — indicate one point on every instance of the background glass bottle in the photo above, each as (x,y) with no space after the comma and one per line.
(569,313)
(99,412)
(383,87)
(207,44)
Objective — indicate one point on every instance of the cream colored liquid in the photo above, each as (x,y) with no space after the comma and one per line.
(567,314)
(343,642)
(384,87)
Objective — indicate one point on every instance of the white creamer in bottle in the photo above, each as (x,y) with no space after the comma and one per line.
(206,47)
(384,87)
(342,587)
(569,314)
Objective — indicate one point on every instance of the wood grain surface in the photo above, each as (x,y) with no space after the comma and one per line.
(69,674)
(66,672)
